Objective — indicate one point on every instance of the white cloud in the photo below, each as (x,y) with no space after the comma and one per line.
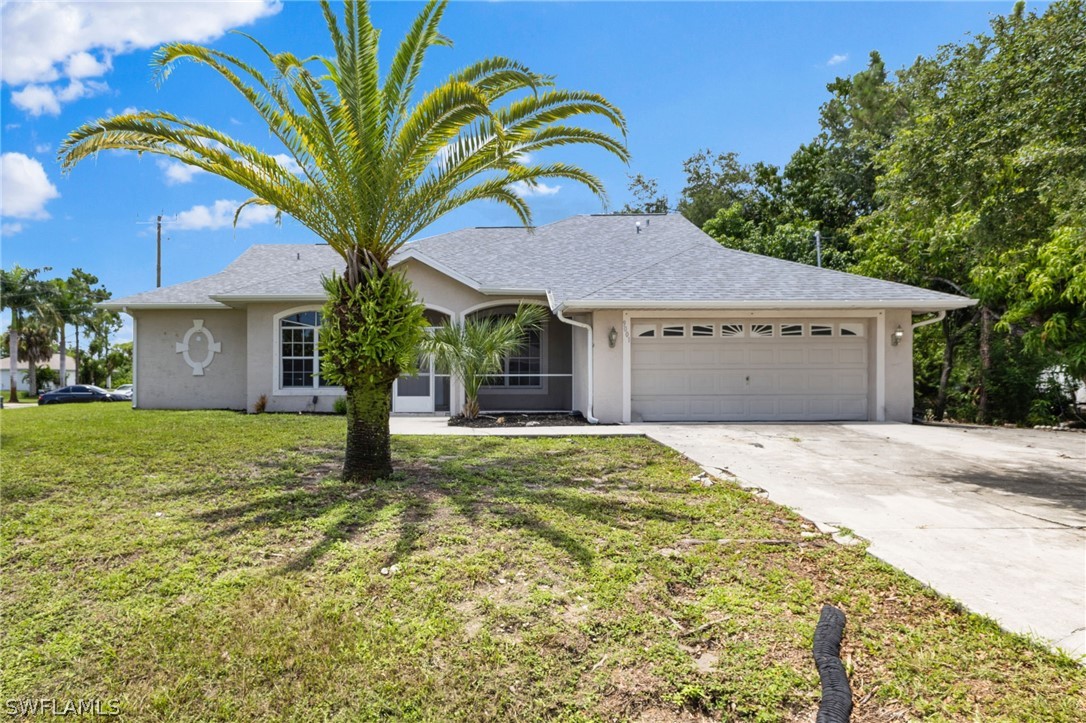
(176,172)
(42,148)
(49,42)
(46,99)
(288,163)
(837,59)
(85,65)
(221,215)
(10,229)
(524,189)
(26,187)
(36,99)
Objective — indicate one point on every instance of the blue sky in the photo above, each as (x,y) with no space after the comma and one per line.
(728,76)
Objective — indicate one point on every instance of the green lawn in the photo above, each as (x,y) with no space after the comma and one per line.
(202,566)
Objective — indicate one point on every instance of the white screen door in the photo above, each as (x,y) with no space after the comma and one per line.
(415,394)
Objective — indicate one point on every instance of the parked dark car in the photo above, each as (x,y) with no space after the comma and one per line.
(80,393)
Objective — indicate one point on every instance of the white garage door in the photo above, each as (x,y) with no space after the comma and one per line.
(784,370)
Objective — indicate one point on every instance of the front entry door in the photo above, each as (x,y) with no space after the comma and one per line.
(415,394)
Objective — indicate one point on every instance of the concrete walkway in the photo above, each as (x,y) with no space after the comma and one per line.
(424,425)
(993,518)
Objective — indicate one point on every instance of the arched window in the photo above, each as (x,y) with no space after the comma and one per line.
(299,351)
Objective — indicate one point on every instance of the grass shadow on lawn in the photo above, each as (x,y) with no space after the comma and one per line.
(206,566)
(348,510)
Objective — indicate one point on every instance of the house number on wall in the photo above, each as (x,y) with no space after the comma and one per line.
(213,346)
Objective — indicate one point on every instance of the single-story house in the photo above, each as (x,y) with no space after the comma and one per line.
(22,379)
(651,320)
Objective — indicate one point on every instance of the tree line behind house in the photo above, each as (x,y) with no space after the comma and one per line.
(59,316)
(963,173)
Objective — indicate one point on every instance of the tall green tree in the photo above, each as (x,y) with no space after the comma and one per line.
(379,161)
(73,303)
(21,291)
(36,345)
(647,197)
(719,180)
(37,335)
(832,179)
(101,324)
(983,184)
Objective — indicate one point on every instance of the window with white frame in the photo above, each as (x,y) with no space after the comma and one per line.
(299,351)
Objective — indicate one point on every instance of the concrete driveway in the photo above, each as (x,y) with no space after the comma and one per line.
(994,518)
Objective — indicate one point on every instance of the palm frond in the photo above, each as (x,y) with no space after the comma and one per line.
(376,166)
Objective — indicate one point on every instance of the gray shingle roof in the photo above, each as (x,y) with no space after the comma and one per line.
(594,261)
(272,270)
(582,262)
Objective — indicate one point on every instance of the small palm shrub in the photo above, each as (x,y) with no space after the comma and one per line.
(476,349)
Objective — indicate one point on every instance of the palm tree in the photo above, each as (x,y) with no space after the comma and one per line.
(73,300)
(373,168)
(475,350)
(36,341)
(20,291)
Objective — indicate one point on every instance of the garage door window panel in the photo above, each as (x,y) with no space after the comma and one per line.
(701,330)
(732,330)
(761,331)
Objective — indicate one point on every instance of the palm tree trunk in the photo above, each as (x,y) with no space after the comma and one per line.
(63,357)
(369,454)
(13,359)
(32,377)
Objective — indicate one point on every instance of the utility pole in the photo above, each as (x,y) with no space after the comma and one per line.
(818,247)
(158,261)
(158,245)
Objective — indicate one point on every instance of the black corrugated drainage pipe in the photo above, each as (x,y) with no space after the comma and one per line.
(836,705)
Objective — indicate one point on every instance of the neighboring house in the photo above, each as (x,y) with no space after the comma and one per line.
(651,320)
(22,380)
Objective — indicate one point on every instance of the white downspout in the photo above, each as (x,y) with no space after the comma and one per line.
(939,316)
(588,328)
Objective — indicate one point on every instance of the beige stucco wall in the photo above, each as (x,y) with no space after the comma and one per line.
(263,368)
(440,292)
(607,366)
(165,381)
(899,367)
